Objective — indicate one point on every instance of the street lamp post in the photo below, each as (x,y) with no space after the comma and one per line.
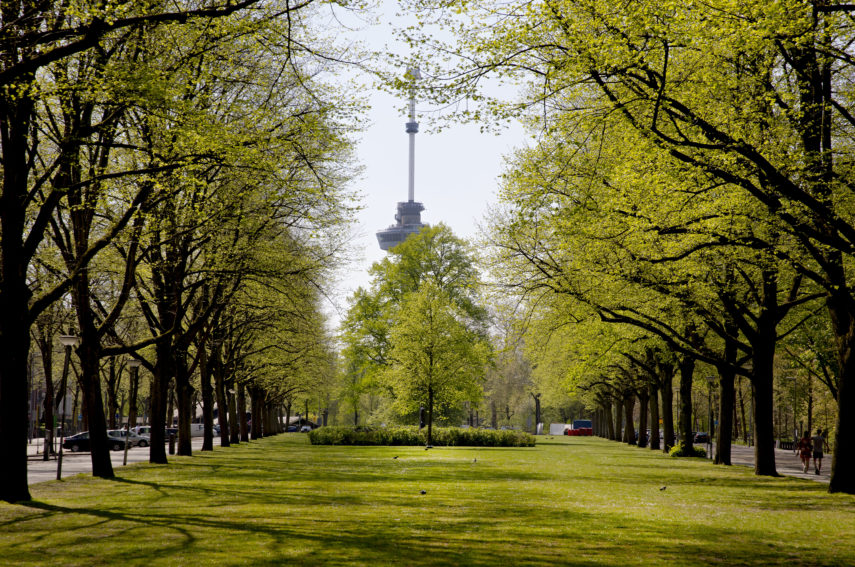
(68,341)
(710,383)
(134,365)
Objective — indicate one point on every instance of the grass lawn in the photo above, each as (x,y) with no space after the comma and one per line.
(567,501)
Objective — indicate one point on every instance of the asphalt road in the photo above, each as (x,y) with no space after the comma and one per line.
(39,470)
(787,463)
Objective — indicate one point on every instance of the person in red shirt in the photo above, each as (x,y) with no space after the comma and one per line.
(805,448)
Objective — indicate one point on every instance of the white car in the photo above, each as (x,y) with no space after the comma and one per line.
(134,439)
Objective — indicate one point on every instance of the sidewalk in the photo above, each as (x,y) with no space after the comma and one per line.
(787,463)
(39,470)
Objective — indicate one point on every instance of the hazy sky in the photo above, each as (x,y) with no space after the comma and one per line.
(456,170)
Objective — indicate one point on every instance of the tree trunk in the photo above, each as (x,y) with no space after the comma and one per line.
(762,376)
(257,414)
(842,310)
(75,408)
(207,398)
(737,424)
(687,371)
(222,404)
(430,417)
(629,410)
(241,408)
(745,428)
(618,408)
(16,111)
(170,405)
(89,354)
(653,396)
(159,407)
(809,403)
(727,399)
(494,416)
(724,432)
(607,417)
(667,409)
(234,432)
(644,398)
(112,387)
(270,419)
(184,394)
(90,382)
(15,344)
(132,403)
(44,344)
(764,436)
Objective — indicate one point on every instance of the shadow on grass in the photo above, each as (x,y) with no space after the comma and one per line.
(426,541)
(292,503)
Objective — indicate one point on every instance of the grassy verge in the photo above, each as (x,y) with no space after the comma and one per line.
(567,501)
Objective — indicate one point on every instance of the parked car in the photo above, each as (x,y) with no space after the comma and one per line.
(134,440)
(80,442)
(305,429)
(292,429)
(702,437)
(143,430)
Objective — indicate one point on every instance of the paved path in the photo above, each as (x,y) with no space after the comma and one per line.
(39,470)
(786,462)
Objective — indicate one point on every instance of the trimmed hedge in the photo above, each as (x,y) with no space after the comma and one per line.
(679,450)
(441,437)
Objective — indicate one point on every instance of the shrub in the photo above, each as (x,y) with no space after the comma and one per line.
(442,437)
(680,450)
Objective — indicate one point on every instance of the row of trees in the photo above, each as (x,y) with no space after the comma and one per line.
(173,190)
(690,187)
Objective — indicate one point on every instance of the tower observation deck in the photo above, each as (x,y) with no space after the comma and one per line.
(408,218)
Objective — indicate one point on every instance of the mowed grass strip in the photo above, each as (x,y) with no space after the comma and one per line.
(567,501)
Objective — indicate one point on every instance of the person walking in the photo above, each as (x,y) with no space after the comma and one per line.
(804,448)
(819,443)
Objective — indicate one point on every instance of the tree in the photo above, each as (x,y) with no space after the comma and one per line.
(385,318)
(436,359)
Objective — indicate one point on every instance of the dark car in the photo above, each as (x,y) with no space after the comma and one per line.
(701,437)
(80,442)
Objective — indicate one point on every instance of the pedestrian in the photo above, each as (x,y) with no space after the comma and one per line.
(805,449)
(818,444)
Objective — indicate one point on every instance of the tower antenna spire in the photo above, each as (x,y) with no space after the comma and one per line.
(409,220)
(412,129)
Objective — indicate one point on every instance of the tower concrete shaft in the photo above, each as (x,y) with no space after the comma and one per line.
(408,216)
